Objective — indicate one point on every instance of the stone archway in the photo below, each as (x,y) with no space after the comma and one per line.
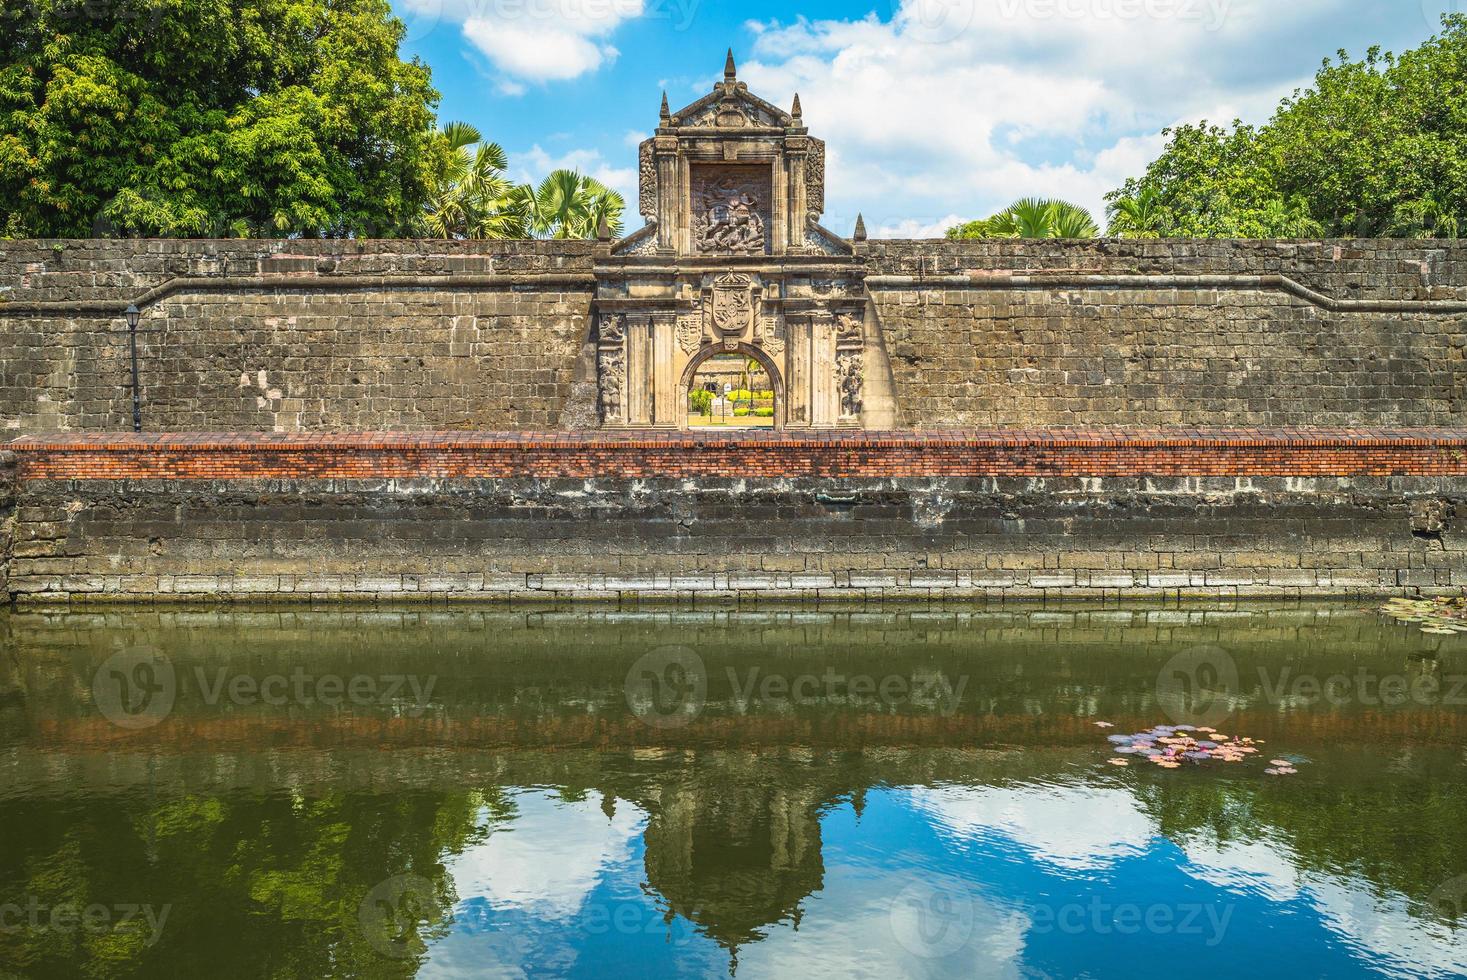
(756,354)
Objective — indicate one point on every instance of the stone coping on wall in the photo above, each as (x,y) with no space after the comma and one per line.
(1099,452)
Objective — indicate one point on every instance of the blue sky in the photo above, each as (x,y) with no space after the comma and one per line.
(934,110)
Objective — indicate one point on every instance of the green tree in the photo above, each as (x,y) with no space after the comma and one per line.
(209,117)
(471,196)
(1376,147)
(1032,217)
(571,205)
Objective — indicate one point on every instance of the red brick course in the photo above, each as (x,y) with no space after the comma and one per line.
(835,455)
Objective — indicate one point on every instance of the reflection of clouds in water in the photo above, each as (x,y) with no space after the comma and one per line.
(1380,928)
(549,858)
(1071,827)
(848,931)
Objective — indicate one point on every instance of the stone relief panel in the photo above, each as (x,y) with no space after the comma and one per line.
(611,368)
(850,363)
(771,336)
(848,370)
(731,210)
(689,333)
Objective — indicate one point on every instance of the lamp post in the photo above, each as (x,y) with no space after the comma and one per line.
(133,314)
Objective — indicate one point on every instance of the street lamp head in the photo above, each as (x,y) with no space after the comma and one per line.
(133,313)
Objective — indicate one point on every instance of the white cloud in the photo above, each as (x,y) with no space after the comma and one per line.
(532,165)
(1072,827)
(535,40)
(965,105)
(509,869)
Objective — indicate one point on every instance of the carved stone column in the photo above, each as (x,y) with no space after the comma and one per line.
(663,328)
(797,381)
(639,372)
(823,407)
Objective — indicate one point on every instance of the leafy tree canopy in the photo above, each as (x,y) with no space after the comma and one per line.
(1376,147)
(211,117)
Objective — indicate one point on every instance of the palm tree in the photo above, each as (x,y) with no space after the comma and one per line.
(1140,216)
(570,205)
(473,198)
(1033,217)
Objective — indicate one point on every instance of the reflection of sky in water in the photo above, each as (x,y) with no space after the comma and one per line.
(1012,881)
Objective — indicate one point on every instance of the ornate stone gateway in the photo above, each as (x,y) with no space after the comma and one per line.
(732,258)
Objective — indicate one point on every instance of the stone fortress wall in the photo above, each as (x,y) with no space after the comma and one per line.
(877,351)
(423,336)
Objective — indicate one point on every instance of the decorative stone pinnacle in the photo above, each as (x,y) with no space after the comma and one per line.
(666,110)
(795,110)
(603,230)
(730,71)
(860,234)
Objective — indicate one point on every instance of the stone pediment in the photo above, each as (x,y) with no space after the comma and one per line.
(729,106)
(736,109)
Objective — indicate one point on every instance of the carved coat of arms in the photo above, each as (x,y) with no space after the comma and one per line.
(732,307)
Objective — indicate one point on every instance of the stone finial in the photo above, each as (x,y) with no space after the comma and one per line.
(603,230)
(730,71)
(666,110)
(795,109)
(860,234)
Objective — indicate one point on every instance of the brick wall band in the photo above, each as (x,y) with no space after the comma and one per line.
(850,517)
(832,456)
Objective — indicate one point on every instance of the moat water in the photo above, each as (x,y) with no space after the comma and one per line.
(935,793)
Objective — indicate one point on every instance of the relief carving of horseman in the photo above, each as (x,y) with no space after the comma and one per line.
(730,220)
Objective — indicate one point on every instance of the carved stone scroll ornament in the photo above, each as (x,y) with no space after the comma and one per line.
(647,178)
(730,216)
(815,178)
(848,371)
